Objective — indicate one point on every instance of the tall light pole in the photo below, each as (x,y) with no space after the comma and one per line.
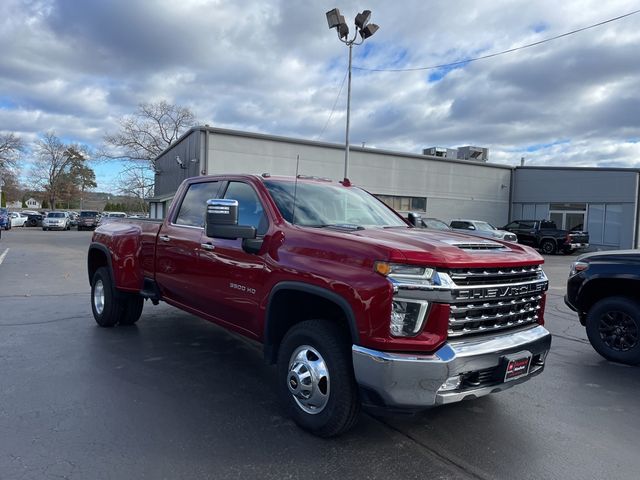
(365,29)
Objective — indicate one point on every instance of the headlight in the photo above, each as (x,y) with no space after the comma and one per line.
(407,317)
(408,273)
(577,267)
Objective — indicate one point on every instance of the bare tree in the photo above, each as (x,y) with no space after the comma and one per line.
(149,131)
(53,164)
(137,181)
(11,146)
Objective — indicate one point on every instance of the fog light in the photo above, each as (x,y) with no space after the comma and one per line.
(407,317)
(451,384)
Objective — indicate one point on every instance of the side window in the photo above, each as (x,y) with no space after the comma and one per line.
(194,204)
(512,225)
(250,211)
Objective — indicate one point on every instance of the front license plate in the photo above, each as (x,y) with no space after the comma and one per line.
(517,365)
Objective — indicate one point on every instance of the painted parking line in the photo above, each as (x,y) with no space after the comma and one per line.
(4,254)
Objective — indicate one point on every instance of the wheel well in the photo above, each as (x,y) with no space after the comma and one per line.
(289,307)
(97,258)
(598,289)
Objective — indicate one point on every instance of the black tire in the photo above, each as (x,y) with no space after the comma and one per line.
(548,247)
(613,328)
(44,229)
(109,306)
(132,310)
(32,222)
(340,406)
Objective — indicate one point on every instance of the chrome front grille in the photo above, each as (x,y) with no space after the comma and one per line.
(495,299)
(494,315)
(495,276)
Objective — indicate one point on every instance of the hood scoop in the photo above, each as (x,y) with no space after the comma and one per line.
(479,245)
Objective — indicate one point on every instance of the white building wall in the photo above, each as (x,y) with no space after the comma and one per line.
(452,189)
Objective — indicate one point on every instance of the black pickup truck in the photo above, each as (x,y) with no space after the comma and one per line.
(604,288)
(546,236)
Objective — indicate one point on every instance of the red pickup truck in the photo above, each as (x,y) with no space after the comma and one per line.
(353,304)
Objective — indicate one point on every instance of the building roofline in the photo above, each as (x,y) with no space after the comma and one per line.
(599,169)
(335,146)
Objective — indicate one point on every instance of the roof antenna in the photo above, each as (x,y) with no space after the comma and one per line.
(295,191)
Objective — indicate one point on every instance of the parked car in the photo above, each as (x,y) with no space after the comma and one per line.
(73,218)
(604,288)
(481,229)
(18,219)
(114,214)
(415,219)
(88,220)
(352,303)
(56,221)
(546,236)
(435,224)
(34,219)
(5,221)
(106,216)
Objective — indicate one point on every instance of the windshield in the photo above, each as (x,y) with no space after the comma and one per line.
(88,214)
(56,215)
(484,226)
(323,204)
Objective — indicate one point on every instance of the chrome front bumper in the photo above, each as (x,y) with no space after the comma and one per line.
(404,380)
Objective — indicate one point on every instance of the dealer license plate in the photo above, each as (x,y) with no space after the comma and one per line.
(517,365)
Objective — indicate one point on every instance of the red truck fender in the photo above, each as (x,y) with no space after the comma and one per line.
(279,317)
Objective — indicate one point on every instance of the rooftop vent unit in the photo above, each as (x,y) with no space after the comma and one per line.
(477,154)
(440,152)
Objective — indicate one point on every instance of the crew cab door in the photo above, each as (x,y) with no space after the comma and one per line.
(179,245)
(235,277)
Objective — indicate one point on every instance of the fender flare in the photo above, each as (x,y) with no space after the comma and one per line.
(102,248)
(269,348)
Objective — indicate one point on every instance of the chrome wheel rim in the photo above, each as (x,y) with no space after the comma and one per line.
(98,297)
(308,379)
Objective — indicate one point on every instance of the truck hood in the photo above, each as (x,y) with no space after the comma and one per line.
(441,248)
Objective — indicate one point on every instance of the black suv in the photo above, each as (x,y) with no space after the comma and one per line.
(88,220)
(604,288)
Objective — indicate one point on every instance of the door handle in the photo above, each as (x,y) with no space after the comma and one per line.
(165,238)
(207,246)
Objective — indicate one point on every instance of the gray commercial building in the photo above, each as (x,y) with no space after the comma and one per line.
(603,200)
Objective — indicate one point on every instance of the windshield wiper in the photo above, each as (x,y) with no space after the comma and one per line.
(342,226)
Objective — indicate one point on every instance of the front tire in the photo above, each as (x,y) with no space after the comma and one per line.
(548,247)
(613,328)
(315,378)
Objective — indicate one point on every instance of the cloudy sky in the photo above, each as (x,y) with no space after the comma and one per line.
(274,67)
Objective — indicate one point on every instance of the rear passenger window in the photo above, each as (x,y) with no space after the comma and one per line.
(250,211)
(194,205)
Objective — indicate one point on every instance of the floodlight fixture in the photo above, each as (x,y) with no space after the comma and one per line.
(333,18)
(343,30)
(368,31)
(363,18)
(365,29)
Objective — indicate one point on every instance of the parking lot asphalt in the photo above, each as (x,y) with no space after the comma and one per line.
(177,397)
